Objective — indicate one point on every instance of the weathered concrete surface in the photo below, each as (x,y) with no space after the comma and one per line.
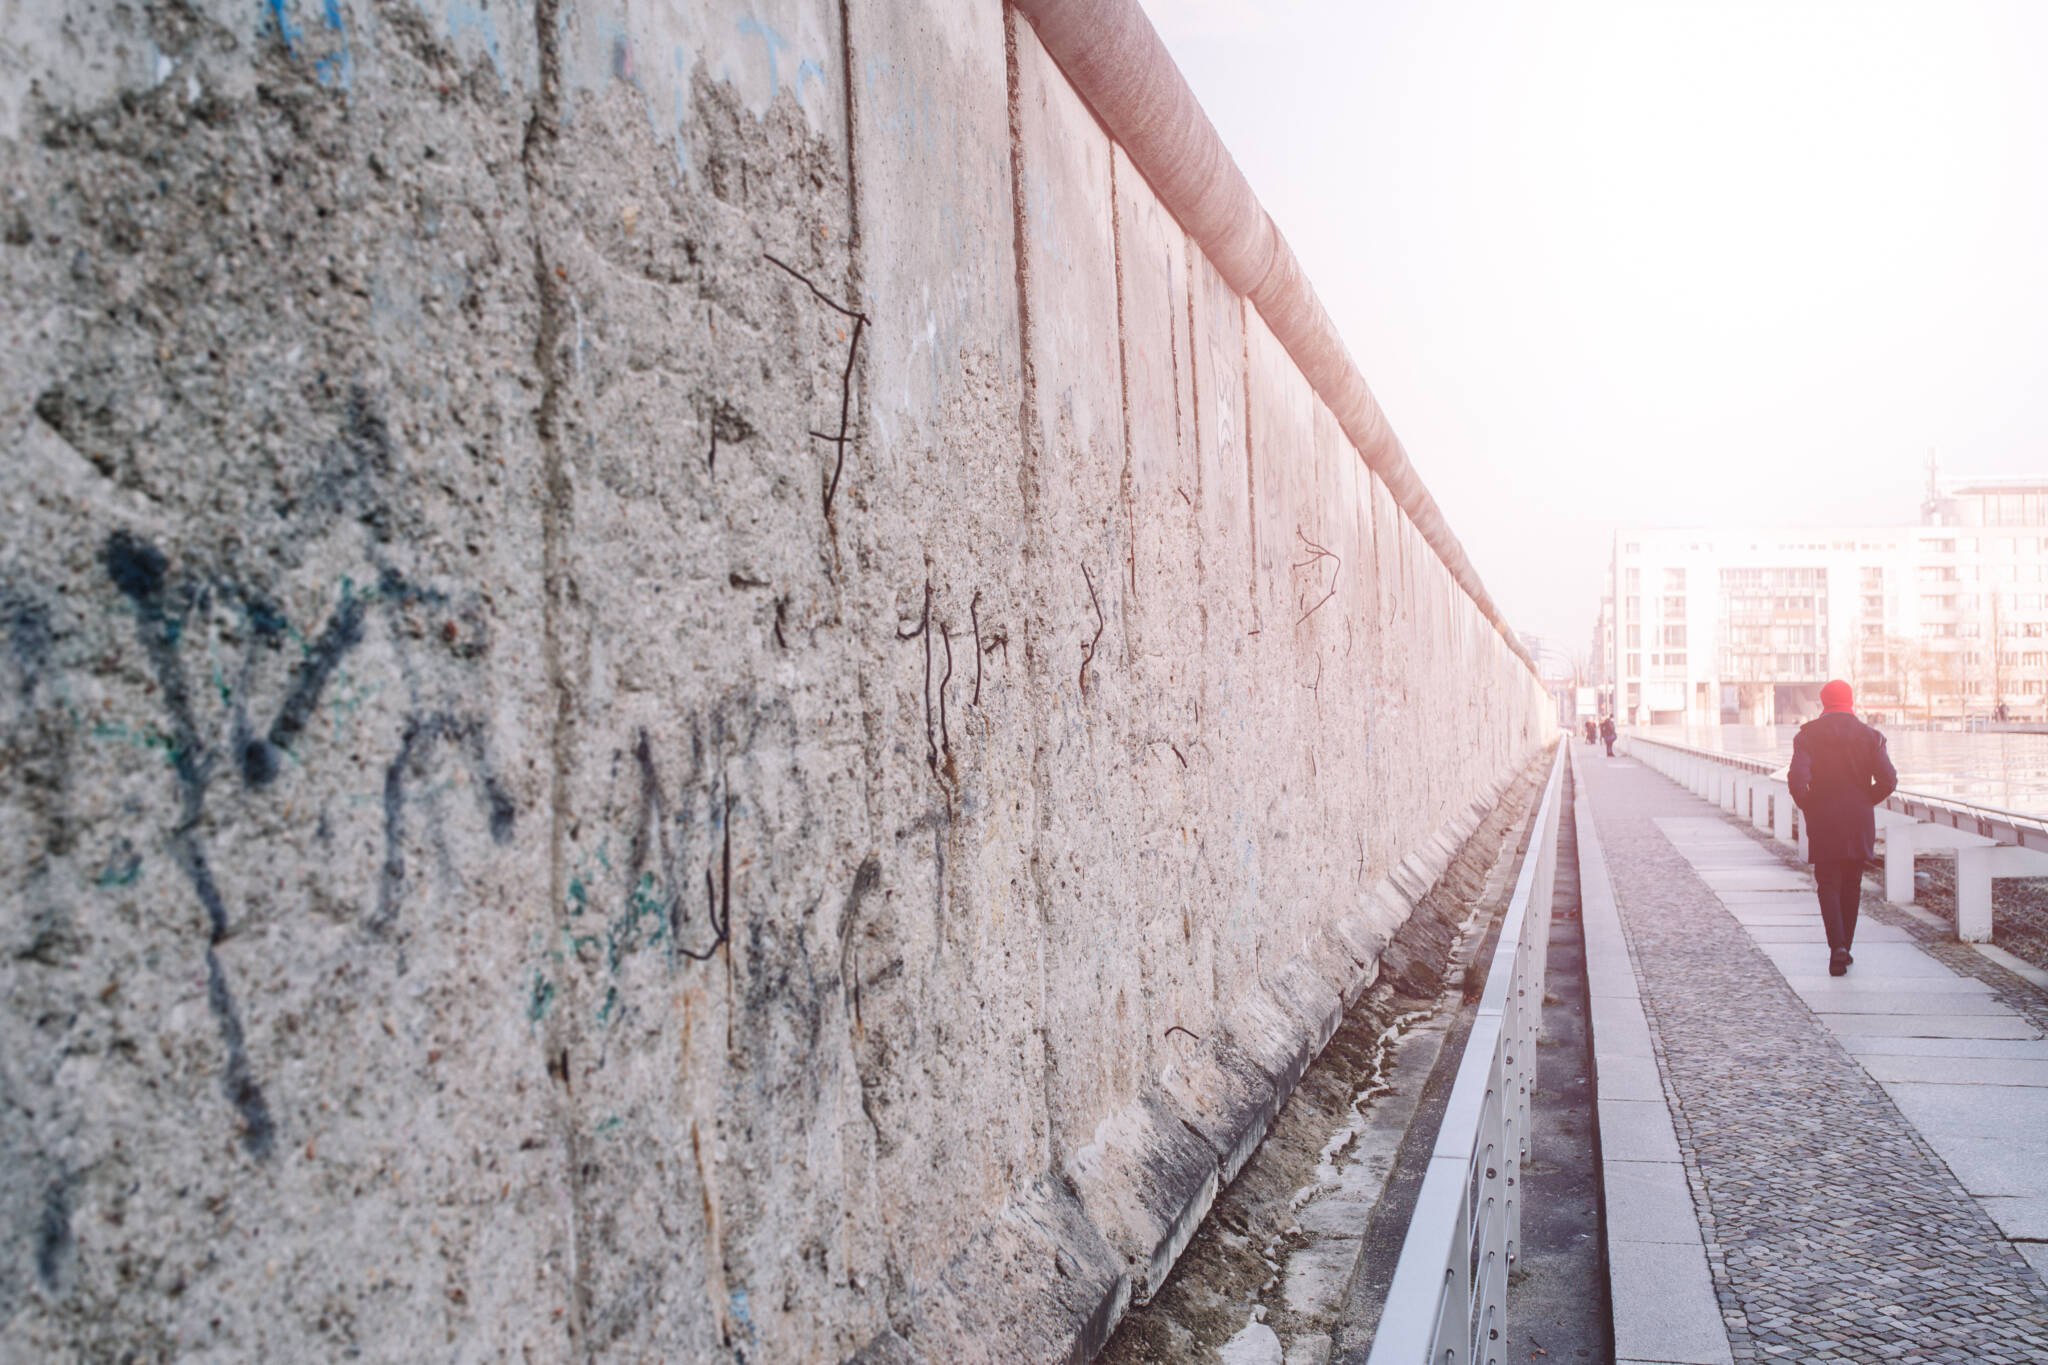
(512,846)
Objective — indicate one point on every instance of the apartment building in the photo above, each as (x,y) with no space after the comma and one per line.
(1946,617)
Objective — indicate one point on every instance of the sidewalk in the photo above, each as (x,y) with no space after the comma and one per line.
(1866,1156)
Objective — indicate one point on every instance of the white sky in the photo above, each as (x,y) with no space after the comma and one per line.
(1651,262)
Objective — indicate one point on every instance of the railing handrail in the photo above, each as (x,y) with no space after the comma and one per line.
(1447,1301)
(1993,822)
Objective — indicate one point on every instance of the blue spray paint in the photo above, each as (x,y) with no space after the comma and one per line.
(751,27)
(286,31)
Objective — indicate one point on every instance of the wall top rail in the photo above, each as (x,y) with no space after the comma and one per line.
(1992,822)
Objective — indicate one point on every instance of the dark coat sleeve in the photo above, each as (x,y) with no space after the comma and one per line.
(1884,778)
(1800,778)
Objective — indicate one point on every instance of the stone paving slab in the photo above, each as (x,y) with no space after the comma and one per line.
(1931,1026)
(1648,1201)
(1937,1004)
(1992,1167)
(1752,879)
(1667,1290)
(1637,1078)
(1891,1045)
(1636,1130)
(2024,1218)
(1818,988)
(1619,1025)
(1793,933)
(1832,1230)
(2011,1113)
(1893,961)
(1958,1070)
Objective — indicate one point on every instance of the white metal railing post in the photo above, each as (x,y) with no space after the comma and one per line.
(1447,1302)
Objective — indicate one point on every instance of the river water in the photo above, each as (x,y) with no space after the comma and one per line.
(2003,770)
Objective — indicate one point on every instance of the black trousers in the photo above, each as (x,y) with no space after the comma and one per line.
(1610,748)
(1841,890)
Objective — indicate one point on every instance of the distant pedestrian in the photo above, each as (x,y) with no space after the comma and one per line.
(1607,732)
(1840,772)
(1589,729)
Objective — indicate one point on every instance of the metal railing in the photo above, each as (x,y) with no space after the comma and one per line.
(1447,1302)
(1991,822)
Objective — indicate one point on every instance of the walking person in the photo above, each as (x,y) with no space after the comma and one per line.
(1588,727)
(1607,732)
(1840,772)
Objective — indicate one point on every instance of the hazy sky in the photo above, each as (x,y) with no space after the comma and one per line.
(1611,263)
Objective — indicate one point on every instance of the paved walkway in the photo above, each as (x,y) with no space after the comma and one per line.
(1866,1156)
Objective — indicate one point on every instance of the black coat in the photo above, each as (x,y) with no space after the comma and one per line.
(1840,772)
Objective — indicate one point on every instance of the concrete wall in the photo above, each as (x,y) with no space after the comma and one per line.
(509,846)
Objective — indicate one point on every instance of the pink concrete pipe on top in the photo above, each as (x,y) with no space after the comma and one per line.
(1114,58)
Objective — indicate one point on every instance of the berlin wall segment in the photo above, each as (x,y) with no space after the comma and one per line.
(638,712)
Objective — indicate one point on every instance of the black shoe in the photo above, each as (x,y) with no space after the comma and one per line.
(1838,962)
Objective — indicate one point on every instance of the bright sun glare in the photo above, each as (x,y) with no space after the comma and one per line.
(1660,263)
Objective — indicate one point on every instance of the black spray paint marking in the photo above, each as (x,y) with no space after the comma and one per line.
(54,1245)
(717,894)
(29,639)
(344,632)
(422,733)
(1088,650)
(137,569)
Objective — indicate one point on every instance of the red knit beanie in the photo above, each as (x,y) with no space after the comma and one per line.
(1836,696)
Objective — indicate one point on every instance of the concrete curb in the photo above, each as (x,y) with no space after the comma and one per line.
(1662,1292)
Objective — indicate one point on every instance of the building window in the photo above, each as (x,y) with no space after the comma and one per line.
(1635,637)
(1635,665)
(1635,608)
(1674,608)
(1674,635)
(1674,580)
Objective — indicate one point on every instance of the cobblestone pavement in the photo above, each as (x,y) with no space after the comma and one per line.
(1832,1230)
